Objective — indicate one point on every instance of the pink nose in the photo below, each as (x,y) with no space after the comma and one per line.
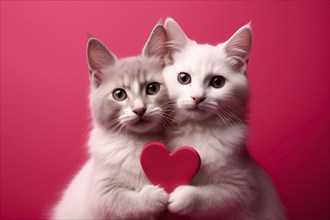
(139,111)
(198,100)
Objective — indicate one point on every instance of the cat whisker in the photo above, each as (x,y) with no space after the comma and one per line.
(109,124)
(169,118)
(231,113)
(223,118)
(164,124)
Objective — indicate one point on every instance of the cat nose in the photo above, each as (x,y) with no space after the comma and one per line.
(198,100)
(139,111)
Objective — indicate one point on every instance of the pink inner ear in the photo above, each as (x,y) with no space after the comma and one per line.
(98,55)
(240,43)
(177,39)
(236,63)
(156,45)
(169,170)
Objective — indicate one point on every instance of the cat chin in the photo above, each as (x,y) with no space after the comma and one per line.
(143,125)
(195,114)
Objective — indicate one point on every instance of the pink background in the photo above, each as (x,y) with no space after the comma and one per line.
(45,82)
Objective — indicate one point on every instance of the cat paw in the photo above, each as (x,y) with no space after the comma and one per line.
(154,199)
(183,200)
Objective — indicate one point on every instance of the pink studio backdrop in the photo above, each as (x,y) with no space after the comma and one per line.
(45,83)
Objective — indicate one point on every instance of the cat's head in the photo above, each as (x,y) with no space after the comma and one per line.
(208,82)
(129,95)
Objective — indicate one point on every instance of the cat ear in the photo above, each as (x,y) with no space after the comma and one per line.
(240,44)
(98,58)
(177,39)
(238,48)
(156,44)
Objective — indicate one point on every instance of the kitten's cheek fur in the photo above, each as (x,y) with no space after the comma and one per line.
(154,198)
(183,200)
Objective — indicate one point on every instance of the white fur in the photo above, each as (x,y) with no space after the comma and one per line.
(229,184)
(112,184)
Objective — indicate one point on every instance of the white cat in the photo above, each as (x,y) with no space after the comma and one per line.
(130,108)
(210,89)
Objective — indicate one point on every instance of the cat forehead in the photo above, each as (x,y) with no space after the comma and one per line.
(201,52)
(205,58)
(130,69)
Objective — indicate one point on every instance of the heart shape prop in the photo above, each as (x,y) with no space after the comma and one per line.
(169,170)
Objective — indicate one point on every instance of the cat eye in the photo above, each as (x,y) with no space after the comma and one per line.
(119,94)
(153,88)
(184,78)
(217,81)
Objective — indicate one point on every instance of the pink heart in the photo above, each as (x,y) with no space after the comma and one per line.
(169,170)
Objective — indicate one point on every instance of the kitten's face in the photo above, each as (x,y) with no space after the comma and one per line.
(128,95)
(204,81)
(203,84)
(132,96)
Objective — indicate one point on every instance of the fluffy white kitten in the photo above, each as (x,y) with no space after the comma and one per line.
(129,106)
(210,89)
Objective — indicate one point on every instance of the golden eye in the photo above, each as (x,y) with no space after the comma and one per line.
(184,78)
(217,81)
(153,88)
(119,94)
